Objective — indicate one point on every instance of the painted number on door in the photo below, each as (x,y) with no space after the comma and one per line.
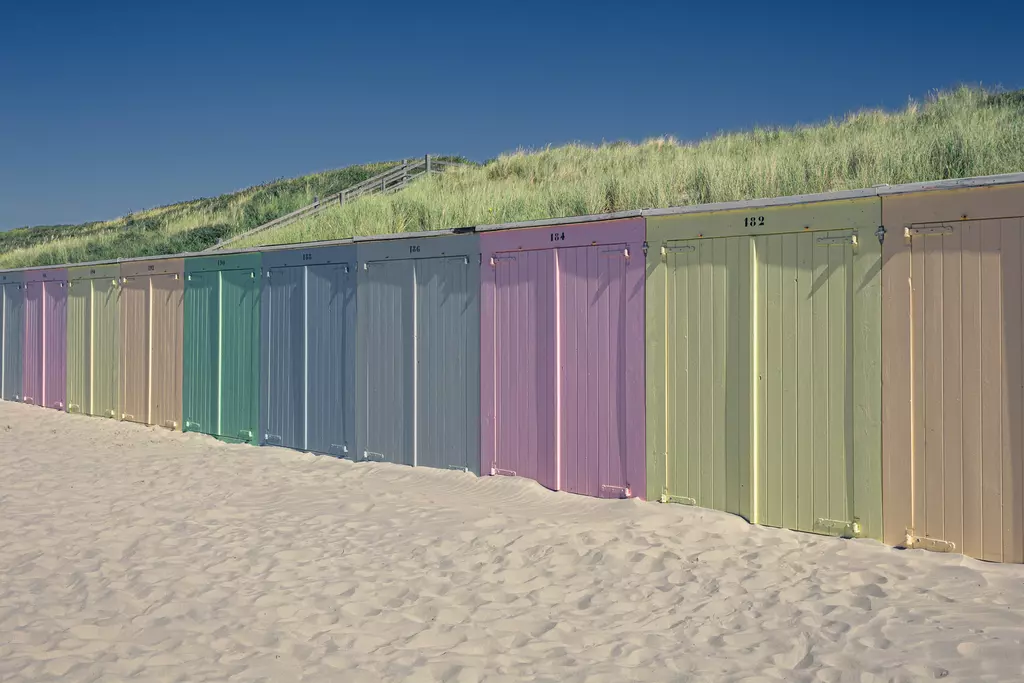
(557,236)
(751,221)
(150,267)
(413,249)
(221,262)
(307,257)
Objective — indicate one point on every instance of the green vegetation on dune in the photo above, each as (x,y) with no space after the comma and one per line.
(188,226)
(961,133)
(967,132)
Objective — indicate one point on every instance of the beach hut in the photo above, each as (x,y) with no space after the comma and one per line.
(308,349)
(763,360)
(418,346)
(44,377)
(953,366)
(562,349)
(12,333)
(220,386)
(152,338)
(93,343)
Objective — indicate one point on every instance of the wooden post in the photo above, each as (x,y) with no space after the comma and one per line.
(428,163)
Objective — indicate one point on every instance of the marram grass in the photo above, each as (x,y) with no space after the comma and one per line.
(967,132)
(188,226)
(956,134)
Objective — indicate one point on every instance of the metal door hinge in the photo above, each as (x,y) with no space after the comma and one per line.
(645,247)
(376,457)
(626,492)
(458,468)
(683,500)
(504,473)
(934,544)
(909,231)
(840,240)
(838,527)
(171,424)
(273,439)
(192,425)
(74,408)
(245,434)
(338,449)
(676,249)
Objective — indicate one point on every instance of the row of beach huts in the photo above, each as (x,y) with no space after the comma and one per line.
(849,363)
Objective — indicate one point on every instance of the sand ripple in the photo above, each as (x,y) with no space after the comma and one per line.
(132,553)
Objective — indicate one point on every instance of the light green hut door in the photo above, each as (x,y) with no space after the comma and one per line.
(803,370)
(707,406)
(763,366)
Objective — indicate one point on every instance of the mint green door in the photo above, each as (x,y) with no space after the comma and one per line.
(221,363)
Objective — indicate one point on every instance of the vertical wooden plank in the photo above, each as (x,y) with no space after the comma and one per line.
(736,420)
(896,378)
(790,492)
(930,523)
(706,371)
(759,474)
(720,299)
(694,370)
(774,457)
(1013,400)
(820,359)
(805,378)
(970,269)
(866,323)
(732,424)
(991,393)
(677,384)
(838,509)
(742,359)
(950,506)
(661,371)
(919,292)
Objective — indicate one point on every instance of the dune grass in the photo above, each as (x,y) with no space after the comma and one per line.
(187,226)
(955,134)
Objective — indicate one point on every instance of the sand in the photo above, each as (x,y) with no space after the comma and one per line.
(129,552)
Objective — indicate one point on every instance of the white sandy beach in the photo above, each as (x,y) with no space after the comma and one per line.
(131,553)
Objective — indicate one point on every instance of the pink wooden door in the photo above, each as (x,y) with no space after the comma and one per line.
(55,314)
(525,408)
(593,356)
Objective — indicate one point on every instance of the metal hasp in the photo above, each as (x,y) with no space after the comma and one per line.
(308,348)
(953,371)
(221,364)
(152,341)
(763,355)
(562,356)
(44,371)
(12,334)
(93,340)
(418,379)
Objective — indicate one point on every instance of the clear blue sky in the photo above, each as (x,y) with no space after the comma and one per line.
(131,105)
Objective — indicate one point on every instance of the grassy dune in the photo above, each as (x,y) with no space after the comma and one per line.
(188,226)
(967,132)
